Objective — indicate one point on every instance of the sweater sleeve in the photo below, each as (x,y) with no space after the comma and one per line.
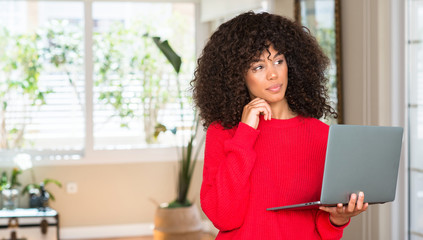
(326,229)
(228,163)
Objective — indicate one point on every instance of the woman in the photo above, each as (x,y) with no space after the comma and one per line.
(260,88)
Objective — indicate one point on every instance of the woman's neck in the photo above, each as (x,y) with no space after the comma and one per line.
(281,110)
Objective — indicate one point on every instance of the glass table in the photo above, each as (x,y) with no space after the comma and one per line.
(15,221)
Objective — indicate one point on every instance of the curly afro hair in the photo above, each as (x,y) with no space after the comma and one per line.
(219,88)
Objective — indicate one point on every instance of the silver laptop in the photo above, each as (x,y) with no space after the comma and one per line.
(358,158)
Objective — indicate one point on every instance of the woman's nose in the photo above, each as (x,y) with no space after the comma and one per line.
(272,73)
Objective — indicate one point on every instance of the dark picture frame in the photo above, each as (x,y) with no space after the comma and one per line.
(323,19)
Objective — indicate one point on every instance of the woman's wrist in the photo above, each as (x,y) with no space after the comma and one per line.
(338,222)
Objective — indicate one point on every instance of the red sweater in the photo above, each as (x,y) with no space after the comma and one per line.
(248,170)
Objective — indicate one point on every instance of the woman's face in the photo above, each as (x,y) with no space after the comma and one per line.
(267,78)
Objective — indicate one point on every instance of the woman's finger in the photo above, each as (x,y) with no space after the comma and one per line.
(360,201)
(352,202)
(252,111)
(366,205)
(259,104)
(339,208)
(258,109)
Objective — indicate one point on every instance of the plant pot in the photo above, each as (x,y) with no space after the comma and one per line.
(36,201)
(10,198)
(183,223)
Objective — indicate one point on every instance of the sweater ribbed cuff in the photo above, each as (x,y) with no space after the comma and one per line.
(326,229)
(339,227)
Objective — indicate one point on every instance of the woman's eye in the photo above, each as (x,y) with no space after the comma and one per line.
(279,61)
(255,68)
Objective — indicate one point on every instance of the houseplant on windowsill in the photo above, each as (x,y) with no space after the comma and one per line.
(179,219)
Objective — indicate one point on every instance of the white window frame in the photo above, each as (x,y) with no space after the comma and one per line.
(91,156)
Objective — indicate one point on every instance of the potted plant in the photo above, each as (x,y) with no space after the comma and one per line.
(9,189)
(179,219)
(38,195)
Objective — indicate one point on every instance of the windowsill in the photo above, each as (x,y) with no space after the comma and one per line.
(164,154)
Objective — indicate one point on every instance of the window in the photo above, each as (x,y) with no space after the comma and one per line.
(74,80)
(38,89)
(131,78)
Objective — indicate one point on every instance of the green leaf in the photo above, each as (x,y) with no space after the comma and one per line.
(14,178)
(49,180)
(3,180)
(51,195)
(171,55)
(29,187)
(158,129)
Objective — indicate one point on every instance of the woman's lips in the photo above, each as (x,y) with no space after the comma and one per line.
(274,88)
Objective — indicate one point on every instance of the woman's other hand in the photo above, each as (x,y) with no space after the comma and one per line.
(252,111)
(340,215)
